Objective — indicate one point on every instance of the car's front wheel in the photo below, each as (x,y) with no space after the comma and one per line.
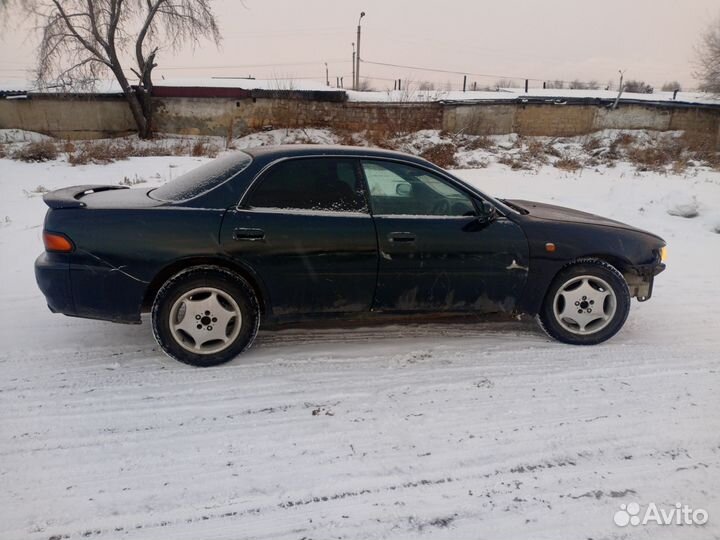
(587,303)
(205,316)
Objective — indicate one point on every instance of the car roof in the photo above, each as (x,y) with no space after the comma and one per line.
(270,153)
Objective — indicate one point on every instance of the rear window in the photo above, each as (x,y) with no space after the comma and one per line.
(202,179)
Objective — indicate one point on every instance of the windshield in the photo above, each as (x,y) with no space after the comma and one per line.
(202,179)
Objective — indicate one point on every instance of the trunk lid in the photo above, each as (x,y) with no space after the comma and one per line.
(99,196)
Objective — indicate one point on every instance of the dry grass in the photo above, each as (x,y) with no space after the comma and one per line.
(98,152)
(36,152)
(204,148)
(442,155)
(382,138)
(134,181)
(624,139)
(345,137)
(567,163)
(516,163)
(117,150)
(590,144)
(659,156)
(3,151)
(479,143)
(550,150)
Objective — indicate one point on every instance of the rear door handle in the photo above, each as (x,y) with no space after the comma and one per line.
(249,235)
(402,237)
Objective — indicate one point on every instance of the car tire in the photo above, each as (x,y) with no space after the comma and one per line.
(587,303)
(205,316)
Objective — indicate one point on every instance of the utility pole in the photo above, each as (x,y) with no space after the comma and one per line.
(357,56)
(327,75)
(354,81)
(620,91)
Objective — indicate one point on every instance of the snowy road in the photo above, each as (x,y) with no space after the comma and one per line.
(476,430)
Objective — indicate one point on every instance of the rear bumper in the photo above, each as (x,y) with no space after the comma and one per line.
(88,291)
(52,273)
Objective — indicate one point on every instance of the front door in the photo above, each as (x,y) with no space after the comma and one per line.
(435,252)
(305,230)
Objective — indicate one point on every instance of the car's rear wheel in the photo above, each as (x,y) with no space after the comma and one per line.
(587,303)
(205,316)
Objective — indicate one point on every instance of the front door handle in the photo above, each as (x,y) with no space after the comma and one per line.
(249,235)
(402,237)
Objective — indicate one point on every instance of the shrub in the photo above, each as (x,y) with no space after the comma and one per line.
(100,152)
(126,181)
(657,156)
(514,163)
(204,148)
(443,155)
(672,86)
(591,143)
(479,143)
(382,138)
(624,139)
(36,152)
(550,150)
(638,87)
(567,163)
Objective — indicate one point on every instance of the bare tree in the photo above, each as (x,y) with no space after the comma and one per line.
(638,87)
(708,59)
(506,83)
(671,86)
(84,39)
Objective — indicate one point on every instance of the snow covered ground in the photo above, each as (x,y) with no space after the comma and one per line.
(476,430)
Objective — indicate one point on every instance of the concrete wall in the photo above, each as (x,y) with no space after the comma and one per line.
(211,116)
(567,120)
(68,118)
(76,118)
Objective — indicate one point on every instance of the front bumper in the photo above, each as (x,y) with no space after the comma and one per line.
(642,279)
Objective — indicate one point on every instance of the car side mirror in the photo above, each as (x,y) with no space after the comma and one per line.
(403,190)
(486,214)
(489,214)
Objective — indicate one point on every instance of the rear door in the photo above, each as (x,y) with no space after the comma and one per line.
(305,229)
(436,251)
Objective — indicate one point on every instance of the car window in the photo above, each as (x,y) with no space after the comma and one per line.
(203,178)
(328,184)
(398,189)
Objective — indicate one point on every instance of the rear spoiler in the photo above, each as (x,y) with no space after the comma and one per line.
(70,197)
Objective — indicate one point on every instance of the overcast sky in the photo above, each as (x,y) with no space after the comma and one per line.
(539,39)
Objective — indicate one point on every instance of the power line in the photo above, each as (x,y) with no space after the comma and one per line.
(242,66)
(417,68)
(484,75)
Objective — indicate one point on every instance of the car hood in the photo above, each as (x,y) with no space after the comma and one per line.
(551,212)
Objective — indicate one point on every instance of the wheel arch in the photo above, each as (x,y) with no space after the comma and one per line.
(183,264)
(620,263)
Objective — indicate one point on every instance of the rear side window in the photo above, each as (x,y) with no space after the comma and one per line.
(202,179)
(328,184)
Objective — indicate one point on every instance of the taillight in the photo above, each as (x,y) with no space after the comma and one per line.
(57,242)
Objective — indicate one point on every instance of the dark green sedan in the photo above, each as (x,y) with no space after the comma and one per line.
(289,233)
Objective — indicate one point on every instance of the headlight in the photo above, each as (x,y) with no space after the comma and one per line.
(663,254)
